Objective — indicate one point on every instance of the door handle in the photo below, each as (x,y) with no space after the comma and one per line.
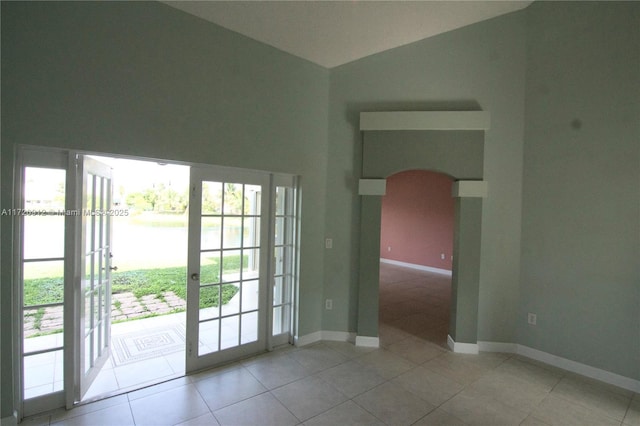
(113,268)
(195,277)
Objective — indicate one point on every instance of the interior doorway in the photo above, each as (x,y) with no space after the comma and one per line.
(416,257)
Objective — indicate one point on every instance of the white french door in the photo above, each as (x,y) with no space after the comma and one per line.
(241,280)
(64,276)
(227,266)
(95,273)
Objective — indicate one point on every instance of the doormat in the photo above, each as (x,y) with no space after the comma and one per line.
(146,344)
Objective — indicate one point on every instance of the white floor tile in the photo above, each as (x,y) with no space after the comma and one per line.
(261,410)
(347,413)
(228,388)
(351,378)
(169,407)
(394,405)
(308,397)
(117,415)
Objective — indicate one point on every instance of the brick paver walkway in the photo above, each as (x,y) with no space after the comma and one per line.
(123,306)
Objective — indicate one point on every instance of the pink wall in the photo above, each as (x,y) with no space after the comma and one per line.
(417,219)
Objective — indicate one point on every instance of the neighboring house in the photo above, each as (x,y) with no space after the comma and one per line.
(561,80)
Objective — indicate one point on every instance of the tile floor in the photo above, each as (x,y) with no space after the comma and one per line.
(409,380)
(413,303)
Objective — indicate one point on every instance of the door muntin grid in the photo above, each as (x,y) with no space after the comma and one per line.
(229,270)
(96,276)
(283,259)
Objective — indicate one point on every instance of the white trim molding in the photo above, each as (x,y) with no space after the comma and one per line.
(564,364)
(415,266)
(425,120)
(462,348)
(368,342)
(372,187)
(470,188)
(328,335)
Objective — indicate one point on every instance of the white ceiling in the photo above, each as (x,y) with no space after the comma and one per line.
(332,33)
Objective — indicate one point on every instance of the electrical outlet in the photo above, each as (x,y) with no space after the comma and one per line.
(328,243)
(328,304)
(442,256)
(532,318)
(389,248)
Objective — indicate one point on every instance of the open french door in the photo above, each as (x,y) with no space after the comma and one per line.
(94,328)
(227,266)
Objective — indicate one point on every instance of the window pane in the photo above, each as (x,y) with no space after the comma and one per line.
(43,236)
(41,372)
(277,320)
(87,217)
(210,267)
(279,231)
(231,265)
(209,297)
(230,332)
(231,237)
(87,352)
(233,198)
(252,194)
(208,334)
(251,235)
(42,328)
(250,295)
(210,233)
(278,291)
(43,282)
(211,198)
(278,261)
(230,299)
(249,328)
(250,263)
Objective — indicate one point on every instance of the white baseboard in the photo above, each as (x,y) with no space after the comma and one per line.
(462,348)
(307,339)
(564,364)
(334,336)
(509,348)
(368,342)
(415,266)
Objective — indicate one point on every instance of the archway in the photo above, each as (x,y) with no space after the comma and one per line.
(447,142)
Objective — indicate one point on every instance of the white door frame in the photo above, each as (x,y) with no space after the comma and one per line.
(37,156)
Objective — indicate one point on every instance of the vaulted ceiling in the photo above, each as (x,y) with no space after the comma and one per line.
(332,33)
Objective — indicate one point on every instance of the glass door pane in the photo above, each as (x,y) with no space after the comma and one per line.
(284,260)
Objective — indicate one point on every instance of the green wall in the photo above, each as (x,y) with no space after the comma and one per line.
(143,79)
(560,233)
(581,190)
(477,67)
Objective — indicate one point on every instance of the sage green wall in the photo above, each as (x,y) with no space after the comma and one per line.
(477,67)
(581,196)
(144,79)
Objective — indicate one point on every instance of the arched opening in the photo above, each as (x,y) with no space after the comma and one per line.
(447,142)
(416,257)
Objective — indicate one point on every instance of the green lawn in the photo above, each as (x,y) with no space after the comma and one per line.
(144,282)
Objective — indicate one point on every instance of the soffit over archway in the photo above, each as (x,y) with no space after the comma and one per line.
(449,142)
